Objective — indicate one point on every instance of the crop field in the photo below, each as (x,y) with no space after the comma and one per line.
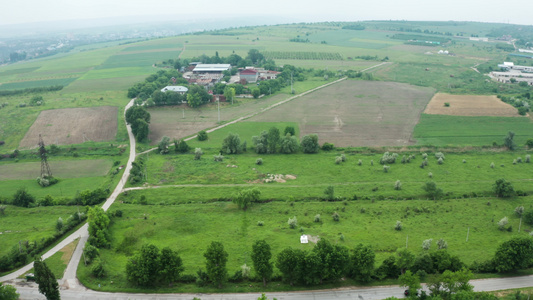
(73,126)
(29,224)
(196,225)
(442,130)
(356,113)
(36,83)
(60,169)
(302,55)
(470,105)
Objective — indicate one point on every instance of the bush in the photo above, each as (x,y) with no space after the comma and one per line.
(528,217)
(439,155)
(343,157)
(187,278)
(309,143)
(218,157)
(328,146)
(360,162)
(442,244)
(338,160)
(317,218)
(388,158)
(336,217)
(182,147)
(293,222)
(492,165)
(398,226)
(202,135)
(503,188)
(426,244)
(519,160)
(528,158)
(259,161)
(502,223)
(519,211)
(398,185)
(440,161)
(386,169)
(98,269)
(260,223)
(198,153)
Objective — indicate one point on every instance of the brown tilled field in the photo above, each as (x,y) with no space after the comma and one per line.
(356,113)
(73,126)
(470,106)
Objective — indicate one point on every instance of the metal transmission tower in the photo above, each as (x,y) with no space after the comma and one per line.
(45,168)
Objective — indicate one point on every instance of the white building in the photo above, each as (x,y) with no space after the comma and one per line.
(175,88)
(211,68)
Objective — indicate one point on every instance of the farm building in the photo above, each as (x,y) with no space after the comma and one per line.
(211,68)
(249,74)
(175,88)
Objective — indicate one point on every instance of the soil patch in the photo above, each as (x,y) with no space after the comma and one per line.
(73,126)
(356,113)
(470,106)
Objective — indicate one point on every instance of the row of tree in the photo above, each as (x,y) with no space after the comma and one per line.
(271,142)
(139,119)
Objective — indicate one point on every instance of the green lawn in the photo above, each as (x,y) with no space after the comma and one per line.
(441,130)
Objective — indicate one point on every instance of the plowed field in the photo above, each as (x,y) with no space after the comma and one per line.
(470,106)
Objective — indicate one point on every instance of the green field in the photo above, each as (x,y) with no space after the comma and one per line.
(61,169)
(441,130)
(194,226)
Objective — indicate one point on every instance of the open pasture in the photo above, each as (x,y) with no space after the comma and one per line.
(60,169)
(19,85)
(194,226)
(443,130)
(356,113)
(30,224)
(73,126)
(470,105)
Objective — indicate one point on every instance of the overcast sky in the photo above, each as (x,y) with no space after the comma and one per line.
(500,11)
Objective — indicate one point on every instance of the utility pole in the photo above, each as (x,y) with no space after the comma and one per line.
(292,90)
(218,105)
(183,111)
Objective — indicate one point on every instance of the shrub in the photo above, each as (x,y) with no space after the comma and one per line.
(98,269)
(528,217)
(309,143)
(519,160)
(198,153)
(260,223)
(328,146)
(388,158)
(528,158)
(464,161)
(430,175)
(343,157)
(293,222)
(439,155)
(386,169)
(329,192)
(519,211)
(317,218)
(371,162)
(182,147)
(202,135)
(446,104)
(398,185)
(514,161)
(398,226)
(424,155)
(426,244)
(245,270)
(259,161)
(360,162)
(338,160)
(442,244)
(336,216)
(59,224)
(502,223)
(440,161)
(218,157)
(492,165)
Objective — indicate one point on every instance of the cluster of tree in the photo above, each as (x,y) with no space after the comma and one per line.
(152,267)
(139,119)
(157,81)
(46,280)
(271,141)
(98,222)
(354,27)
(514,254)
(22,253)
(253,58)
(448,285)
(52,88)
(93,197)
(17,56)
(137,171)
(8,292)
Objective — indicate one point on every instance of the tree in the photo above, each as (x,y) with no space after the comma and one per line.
(22,198)
(405,259)
(261,142)
(330,192)
(290,263)
(310,143)
(273,139)
(194,100)
(256,93)
(46,280)
(255,56)
(503,188)
(245,197)
(333,259)
(508,141)
(171,266)
(362,263)
(215,264)
(137,112)
(290,130)
(8,292)
(289,144)
(411,282)
(198,153)
(514,254)
(162,147)
(431,189)
(98,222)
(231,144)
(140,129)
(229,93)
(261,256)
(143,268)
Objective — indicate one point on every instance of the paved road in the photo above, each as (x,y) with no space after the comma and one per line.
(367,293)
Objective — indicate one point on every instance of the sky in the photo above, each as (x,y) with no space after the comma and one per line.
(497,11)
